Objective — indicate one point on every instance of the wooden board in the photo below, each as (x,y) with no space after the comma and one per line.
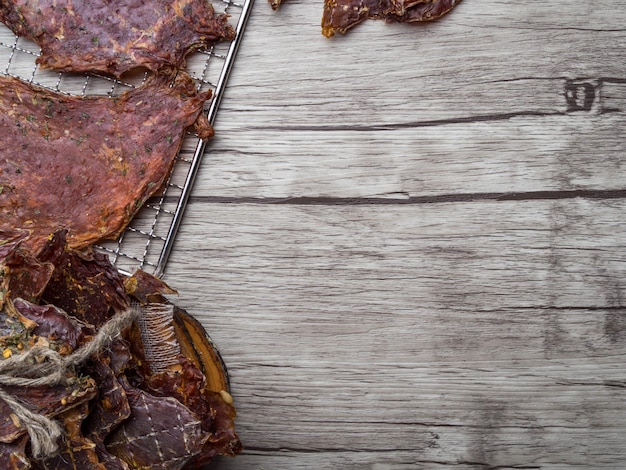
(447,332)
(408,242)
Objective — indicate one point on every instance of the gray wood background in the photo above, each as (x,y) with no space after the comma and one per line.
(408,242)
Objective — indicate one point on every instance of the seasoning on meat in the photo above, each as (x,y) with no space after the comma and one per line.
(162,433)
(114,37)
(341,15)
(116,412)
(88,164)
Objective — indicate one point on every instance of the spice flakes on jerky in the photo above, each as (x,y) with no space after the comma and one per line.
(114,37)
(87,164)
(126,405)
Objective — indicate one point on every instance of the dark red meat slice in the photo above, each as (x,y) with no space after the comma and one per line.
(76,451)
(46,400)
(115,36)
(161,433)
(27,277)
(68,333)
(88,164)
(83,283)
(423,11)
(109,408)
(341,15)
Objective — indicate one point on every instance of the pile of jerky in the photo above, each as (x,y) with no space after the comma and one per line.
(116,412)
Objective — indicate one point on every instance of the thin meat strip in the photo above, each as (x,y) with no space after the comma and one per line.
(114,36)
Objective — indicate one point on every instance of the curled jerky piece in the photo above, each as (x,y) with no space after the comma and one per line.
(341,15)
(88,164)
(423,11)
(115,36)
(76,451)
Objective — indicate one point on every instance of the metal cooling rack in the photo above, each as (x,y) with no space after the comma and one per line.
(148,240)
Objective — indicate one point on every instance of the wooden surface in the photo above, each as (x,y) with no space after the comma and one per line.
(409,242)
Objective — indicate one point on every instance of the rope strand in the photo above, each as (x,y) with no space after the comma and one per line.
(28,370)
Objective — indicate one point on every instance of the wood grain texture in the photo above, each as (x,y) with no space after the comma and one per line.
(457,333)
(408,242)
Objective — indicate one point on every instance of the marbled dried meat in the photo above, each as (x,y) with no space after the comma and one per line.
(83,283)
(117,413)
(160,434)
(88,164)
(114,37)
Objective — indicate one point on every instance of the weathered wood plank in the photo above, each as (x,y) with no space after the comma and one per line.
(510,254)
(476,335)
(379,73)
(494,98)
(525,154)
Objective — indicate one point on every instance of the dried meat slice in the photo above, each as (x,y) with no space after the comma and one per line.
(45,400)
(77,452)
(13,455)
(161,433)
(67,333)
(423,11)
(88,164)
(341,15)
(114,37)
(111,405)
(26,276)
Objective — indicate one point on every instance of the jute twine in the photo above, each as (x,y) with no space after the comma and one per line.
(41,365)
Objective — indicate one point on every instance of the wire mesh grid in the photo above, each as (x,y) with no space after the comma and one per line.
(147,241)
